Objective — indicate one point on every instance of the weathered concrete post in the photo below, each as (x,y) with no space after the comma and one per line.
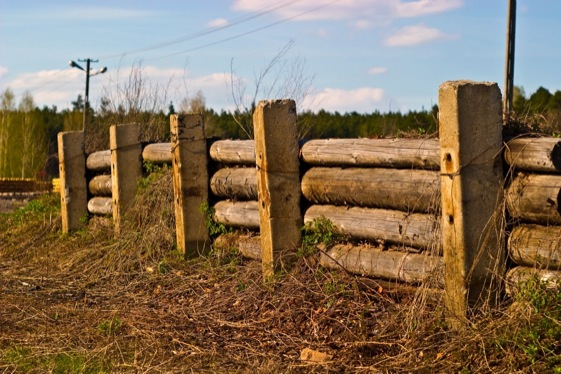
(190,182)
(277,151)
(73,184)
(472,194)
(126,168)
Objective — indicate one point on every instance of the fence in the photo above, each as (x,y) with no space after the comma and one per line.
(16,186)
(425,205)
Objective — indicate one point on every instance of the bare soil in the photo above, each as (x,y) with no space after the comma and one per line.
(88,302)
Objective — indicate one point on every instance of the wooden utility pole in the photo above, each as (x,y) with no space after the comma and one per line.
(509,67)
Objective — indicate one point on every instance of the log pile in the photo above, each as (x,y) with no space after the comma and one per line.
(533,201)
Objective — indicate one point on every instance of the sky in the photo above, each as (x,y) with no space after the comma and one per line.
(337,55)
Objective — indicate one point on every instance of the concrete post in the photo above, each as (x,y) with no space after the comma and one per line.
(190,182)
(472,194)
(73,184)
(126,168)
(277,151)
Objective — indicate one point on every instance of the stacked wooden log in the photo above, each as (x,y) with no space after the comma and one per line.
(99,186)
(386,191)
(382,190)
(533,201)
(234,184)
(98,165)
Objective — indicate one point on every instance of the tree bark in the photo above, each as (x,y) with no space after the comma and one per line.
(99,161)
(100,185)
(233,151)
(537,246)
(235,183)
(157,153)
(535,198)
(521,274)
(391,265)
(534,154)
(407,190)
(100,205)
(239,214)
(393,153)
(414,230)
(249,245)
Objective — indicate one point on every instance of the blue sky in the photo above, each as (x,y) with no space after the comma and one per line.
(340,55)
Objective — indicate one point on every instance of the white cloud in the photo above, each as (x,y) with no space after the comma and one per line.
(377,70)
(361,13)
(362,24)
(60,87)
(92,13)
(219,22)
(424,7)
(322,33)
(3,71)
(419,34)
(364,100)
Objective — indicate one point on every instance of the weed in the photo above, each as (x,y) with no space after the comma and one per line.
(36,210)
(539,337)
(110,327)
(163,267)
(73,362)
(318,231)
(214,228)
(154,172)
(20,357)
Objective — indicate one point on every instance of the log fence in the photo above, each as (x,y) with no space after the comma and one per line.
(533,203)
(421,205)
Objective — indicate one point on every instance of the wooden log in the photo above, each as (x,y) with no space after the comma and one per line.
(472,196)
(233,152)
(99,161)
(390,265)
(405,189)
(249,245)
(278,165)
(520,274)
(392,153)
(414,230)
(235,183)
(535,198)
(238,214)
(100,205)
(536,246)
(534,154)
(157,153)
(190,182)
(100,185)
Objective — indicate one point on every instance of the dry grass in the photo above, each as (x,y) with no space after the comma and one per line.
(88,302)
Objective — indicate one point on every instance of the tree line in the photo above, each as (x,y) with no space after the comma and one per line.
(28,134)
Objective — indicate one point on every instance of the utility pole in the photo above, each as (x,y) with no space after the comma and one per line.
(509,67)
(89,73)
(87,99)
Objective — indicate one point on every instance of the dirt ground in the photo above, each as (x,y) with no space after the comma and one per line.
(8,204)
(91,303)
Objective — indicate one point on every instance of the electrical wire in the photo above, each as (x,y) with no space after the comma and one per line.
(245,33)
(207,31)
(204,32)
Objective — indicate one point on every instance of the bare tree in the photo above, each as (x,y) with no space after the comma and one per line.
(196,104)
(7,104)
(280,78)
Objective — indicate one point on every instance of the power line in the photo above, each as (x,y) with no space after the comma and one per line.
(247,32)
(206,31)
